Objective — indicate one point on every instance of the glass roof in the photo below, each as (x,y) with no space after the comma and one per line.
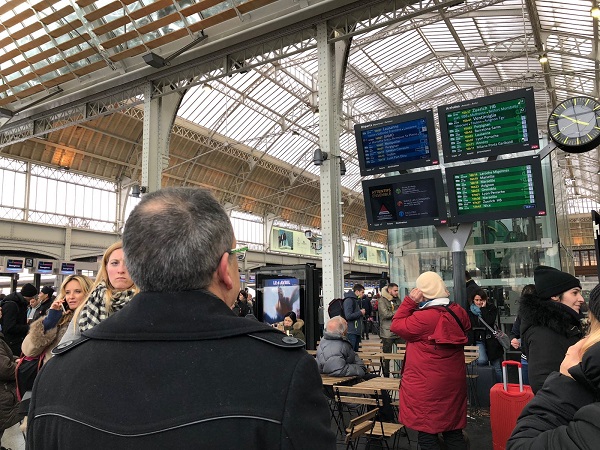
(403,68)
(472,49)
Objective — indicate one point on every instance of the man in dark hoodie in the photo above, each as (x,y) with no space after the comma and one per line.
(14,316)
(550,321)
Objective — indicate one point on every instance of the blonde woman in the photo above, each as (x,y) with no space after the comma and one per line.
(112,290)
(46,332)
(564,413)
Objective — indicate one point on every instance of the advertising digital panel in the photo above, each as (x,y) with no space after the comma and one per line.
(397,143)
(412,200)
(280,296)
(489,126)
(501,189)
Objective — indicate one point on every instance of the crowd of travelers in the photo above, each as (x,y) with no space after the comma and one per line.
(121,356)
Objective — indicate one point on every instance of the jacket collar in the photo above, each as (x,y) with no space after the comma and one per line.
(175,316)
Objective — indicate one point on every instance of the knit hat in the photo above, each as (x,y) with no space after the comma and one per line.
(550,281)
(29,290)
(432,285)
(594,303)
(48,290)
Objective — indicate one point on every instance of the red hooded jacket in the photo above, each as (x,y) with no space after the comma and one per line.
(433,391)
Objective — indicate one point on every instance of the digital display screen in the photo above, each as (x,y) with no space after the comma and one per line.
(14,265)
(489,126)
(67,268)
(496,190)
(45,266)
(396,143)
(280,296)
(416,199)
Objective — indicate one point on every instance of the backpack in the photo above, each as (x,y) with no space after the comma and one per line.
(336,308)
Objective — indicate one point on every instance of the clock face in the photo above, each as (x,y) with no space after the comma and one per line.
(574,125)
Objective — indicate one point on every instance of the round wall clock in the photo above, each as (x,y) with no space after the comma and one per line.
(574,125)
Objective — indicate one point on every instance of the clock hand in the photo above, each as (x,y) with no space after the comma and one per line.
(574,120)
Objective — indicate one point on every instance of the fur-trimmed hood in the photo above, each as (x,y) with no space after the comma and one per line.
(535,311)
(386,294)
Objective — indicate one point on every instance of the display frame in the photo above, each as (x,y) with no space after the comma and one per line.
(538,190)
(432,160)
(42,267)
(439,197)
(531,144)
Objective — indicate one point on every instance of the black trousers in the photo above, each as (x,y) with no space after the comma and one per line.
(453,440)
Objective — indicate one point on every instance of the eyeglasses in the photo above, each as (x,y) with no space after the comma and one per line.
(239,251)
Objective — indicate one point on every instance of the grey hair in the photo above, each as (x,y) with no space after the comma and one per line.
(337,325)
(174,239)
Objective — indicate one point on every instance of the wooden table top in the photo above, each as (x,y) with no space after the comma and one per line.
(332,381)
(389,384)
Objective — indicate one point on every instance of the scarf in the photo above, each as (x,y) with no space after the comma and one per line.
(434,302)
(95,310)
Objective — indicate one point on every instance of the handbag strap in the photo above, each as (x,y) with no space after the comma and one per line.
(486,324)
(453,314)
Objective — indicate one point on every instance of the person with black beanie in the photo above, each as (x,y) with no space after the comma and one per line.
(14,316)
(551,321)
(564,413)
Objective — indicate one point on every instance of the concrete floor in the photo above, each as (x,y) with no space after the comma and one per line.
(13,438)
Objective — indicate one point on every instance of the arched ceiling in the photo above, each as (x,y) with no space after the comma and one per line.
(247,124)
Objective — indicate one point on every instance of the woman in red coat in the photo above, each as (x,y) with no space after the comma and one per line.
(433,392)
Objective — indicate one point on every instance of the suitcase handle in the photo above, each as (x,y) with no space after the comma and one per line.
(504,374)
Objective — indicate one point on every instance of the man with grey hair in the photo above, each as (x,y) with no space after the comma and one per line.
(335,356)
(165,371)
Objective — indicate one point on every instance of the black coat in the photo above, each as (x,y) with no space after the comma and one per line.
(548,329)
(564,413)
(42,309)
(14,321)
(168,369)
(479,332)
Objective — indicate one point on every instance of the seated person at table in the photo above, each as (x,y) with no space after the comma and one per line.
(292,326)
(335,356)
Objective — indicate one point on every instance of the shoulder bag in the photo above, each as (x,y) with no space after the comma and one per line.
(500,335)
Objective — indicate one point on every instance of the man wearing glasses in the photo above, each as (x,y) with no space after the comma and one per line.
(165,372)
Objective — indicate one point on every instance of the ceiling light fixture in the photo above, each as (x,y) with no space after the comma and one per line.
(207,87)
(595,12)
(158,62)
(543,58)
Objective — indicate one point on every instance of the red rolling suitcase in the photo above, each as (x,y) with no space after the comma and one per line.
(506,403)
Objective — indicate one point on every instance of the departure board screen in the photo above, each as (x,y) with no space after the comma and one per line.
(489,126)
(415,199)
(496,190)
(397,143)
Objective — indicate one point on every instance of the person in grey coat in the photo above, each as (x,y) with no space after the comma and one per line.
(335,355)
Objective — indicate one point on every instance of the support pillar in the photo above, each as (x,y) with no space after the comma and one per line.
(159,115)
(331,73)
(456,239)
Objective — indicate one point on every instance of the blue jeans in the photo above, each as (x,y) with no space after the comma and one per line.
(525,370)
(354,340)
(483,361)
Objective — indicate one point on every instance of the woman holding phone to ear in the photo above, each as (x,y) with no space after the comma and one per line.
(46,332)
